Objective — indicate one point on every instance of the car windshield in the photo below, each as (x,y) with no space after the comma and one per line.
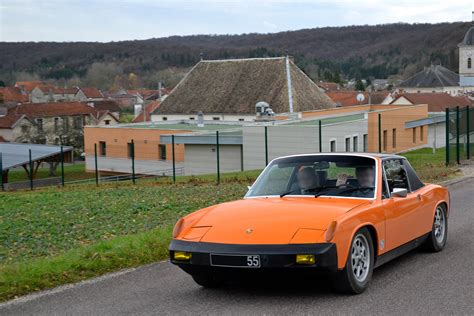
(317,175)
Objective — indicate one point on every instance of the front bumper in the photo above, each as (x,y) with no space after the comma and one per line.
(271,256)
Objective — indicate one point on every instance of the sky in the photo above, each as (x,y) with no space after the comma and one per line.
(116,20)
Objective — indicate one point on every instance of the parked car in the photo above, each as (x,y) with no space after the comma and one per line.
(341,213)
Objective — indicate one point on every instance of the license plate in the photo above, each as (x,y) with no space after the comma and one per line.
(241,261)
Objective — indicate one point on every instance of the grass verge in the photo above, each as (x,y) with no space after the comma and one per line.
(84,262)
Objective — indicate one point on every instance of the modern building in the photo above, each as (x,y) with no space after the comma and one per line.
(242,144)
(228,90)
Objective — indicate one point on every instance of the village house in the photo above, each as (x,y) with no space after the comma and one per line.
(437,102)
(51,123)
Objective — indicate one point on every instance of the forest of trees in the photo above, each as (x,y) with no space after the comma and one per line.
(329,53)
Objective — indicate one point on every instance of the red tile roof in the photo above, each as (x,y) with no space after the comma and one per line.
(37,110)
(13,94)
(347,98)
(329,86)
(148,110)
(9,120)
(92,93)
(437,102)
(29,85)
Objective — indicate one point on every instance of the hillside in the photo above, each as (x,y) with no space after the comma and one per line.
(357,51)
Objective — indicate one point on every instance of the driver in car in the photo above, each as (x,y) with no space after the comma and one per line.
(308,181)
(365,176)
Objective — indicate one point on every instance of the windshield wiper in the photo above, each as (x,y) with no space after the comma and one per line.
(319,189)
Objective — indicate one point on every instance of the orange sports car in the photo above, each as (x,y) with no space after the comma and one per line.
(341,213)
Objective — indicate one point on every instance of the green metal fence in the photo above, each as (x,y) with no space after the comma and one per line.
(459,134)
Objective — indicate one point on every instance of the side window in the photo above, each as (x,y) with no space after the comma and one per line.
(415,182)
(396,174)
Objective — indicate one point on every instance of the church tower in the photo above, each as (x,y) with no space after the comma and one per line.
(466,58)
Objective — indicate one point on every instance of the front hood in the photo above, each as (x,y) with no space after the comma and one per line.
(272,220)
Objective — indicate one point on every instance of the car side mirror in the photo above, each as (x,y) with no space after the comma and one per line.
(399,192)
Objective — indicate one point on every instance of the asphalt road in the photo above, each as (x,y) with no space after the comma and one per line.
(416,283)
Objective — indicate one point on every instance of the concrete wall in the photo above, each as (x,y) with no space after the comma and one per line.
(202,159)
(118,165)
(293,139)
(437,132)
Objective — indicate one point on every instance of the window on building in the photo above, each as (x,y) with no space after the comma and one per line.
(394,138)
(39,123)
(469,63)
(162,151)
(191,118)
(65,124)
(164,118)
(130,150)
(414,135)
(348,144)
(56,124)
(241,120)
(216,118)
(102,148)
(366,142)
(385,136)
(332,145)
(77,122)
(25,128)
(107,122)
(355,143)
(422,133)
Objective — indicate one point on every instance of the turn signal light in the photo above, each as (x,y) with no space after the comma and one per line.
(182,256)
(305,259)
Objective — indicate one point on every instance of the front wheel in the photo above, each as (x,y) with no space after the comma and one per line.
(355,276)
(439,231)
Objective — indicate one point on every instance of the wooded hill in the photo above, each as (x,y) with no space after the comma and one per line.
(354,51)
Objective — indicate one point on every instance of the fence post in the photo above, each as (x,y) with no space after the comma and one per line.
(320,137)
(62,166)
(31,169)
(242,157)
(218,159)
(457,136)
(1,172)
(133,162)
(96,166)
(447,137)
(266,146)
(380,133)
(173,157)
(468,131)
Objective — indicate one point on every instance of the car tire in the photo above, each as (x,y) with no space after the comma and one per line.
(439,230)
(357,273)
(206,280)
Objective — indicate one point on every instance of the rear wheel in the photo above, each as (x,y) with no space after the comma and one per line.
(355,276)
(206,280)
(439,231)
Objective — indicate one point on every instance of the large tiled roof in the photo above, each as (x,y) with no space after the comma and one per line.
(235,86)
